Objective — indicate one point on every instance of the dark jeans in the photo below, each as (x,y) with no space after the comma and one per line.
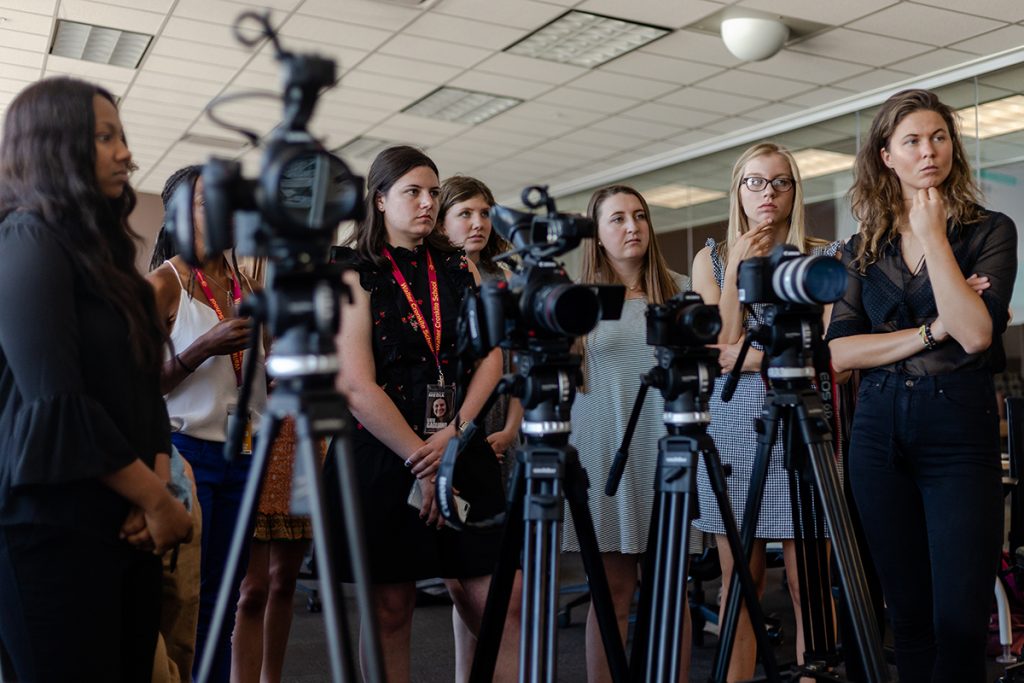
(74,608)
(924,464)
(219,487)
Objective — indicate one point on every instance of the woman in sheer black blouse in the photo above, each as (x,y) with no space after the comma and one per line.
(924,450)
(84,435)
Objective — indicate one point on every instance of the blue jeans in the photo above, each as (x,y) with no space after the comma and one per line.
(219,487)
(924,466)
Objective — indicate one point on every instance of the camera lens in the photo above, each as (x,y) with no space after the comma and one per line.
(702,321)
(810,280)
(566,309)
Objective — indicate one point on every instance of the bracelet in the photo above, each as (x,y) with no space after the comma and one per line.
(185,367)
(925,333)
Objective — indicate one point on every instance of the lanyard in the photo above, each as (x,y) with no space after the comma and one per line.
(236,295)
(433,341)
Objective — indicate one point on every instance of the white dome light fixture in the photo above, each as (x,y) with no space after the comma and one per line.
(753,39)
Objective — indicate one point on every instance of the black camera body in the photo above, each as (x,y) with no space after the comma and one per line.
(684,321)
(539,302)
(789,276)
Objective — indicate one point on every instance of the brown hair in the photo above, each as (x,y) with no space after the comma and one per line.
(460,188)
(876,196)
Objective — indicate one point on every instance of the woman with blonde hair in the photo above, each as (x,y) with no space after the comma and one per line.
(926,338)
(616,353)
(765,209)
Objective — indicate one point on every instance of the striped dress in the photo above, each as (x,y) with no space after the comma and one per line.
(732,428)
(617,354)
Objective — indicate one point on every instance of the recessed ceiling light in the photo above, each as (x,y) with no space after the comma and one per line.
(995,118)
(677,195)
(818,162)
(586,39)
(460,106)
(99,44)
(363,147)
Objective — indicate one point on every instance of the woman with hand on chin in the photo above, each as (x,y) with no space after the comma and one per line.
(924,447)
(398,354)
(765,209)
(615,354)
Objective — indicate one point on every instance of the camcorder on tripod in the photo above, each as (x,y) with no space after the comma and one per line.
(289,216)
(536,314)
(792,288)
(680,331)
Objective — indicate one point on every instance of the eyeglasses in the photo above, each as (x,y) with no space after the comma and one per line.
(756,183)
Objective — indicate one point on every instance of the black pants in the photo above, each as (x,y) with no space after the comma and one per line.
(73,608)
(924,464)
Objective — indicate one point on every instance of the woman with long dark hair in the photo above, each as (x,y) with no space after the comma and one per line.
(84,438)
(924,446)
(398,355)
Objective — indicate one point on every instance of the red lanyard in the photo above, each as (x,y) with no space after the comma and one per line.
(433,341)
(236,295)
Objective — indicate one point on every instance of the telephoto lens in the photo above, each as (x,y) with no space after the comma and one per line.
(809,280)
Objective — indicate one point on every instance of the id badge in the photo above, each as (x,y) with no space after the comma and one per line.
(440,407)
(246,435)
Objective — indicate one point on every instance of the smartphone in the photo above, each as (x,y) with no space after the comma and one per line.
(415,500)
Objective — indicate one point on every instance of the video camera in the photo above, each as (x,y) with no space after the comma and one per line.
(788,276)
(684,321)
(291,211)
(539,302)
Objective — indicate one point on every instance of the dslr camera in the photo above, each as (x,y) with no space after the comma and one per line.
(539,302)
(789,276)
(684,321)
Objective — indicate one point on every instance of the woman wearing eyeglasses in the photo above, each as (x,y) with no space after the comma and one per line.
(765,209)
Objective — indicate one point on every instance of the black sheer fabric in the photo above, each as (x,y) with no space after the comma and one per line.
(889,297)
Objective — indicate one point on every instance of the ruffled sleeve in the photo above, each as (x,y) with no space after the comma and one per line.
(349,258)
(848,315)
(52,430)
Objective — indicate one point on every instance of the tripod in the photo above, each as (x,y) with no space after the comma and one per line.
(547,473)
(304,365)
(685,378)
(794,353)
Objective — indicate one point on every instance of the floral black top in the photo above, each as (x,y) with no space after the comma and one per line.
(404,363)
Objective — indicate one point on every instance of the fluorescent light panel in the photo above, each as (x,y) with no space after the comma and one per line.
(586,39)
(363,147)
(99,44)
(814,163)
(677,195)
(461,106)
(995,118)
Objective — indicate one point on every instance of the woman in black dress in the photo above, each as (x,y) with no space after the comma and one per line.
(924,448)
(84,437)
(397,347)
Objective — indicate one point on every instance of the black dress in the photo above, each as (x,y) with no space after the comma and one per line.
(401,546)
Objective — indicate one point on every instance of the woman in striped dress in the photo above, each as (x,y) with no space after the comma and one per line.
(615,355)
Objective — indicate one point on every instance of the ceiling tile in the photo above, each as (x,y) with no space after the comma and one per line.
(626,86)
(494,149)
(464,31)
(508,64)
(596,138)
(176,66)
(636,127)
(12,85)
(932,61)
(661,68)
(333,32)
(832,13)
(931,25)
(367,98)
(200,52)
(813,98)
(204,32)
(103,14)
(412,136)
(805,67)
(218,11)
(161,6)
(430,50)
(19,40)
(517,123)
(178,97)
(446,128)
(168,82)
(27,22)
(711,100)
(676,116)
(389,65)
(879,78)
(573,149)
(693,45)
(994,9)
(31,59)
(499,85)
(83,69)
(769,112)
(690,137)
(44,7)
(355,111)
(994,41)
(172,111)
(488,133)
(586,99)
(525,14)
(554,114)
(757,85)
(859,47)
(401,87)
(388,16)
(657,12)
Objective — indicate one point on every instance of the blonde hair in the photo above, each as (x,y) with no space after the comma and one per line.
(738,223)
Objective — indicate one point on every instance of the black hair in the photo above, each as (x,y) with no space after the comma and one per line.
(165,248)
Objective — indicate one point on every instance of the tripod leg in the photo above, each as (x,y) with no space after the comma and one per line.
(741,569)
(243,529)
(766,426)
(339,643)
(576,493)
(645,605)
(492,625)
